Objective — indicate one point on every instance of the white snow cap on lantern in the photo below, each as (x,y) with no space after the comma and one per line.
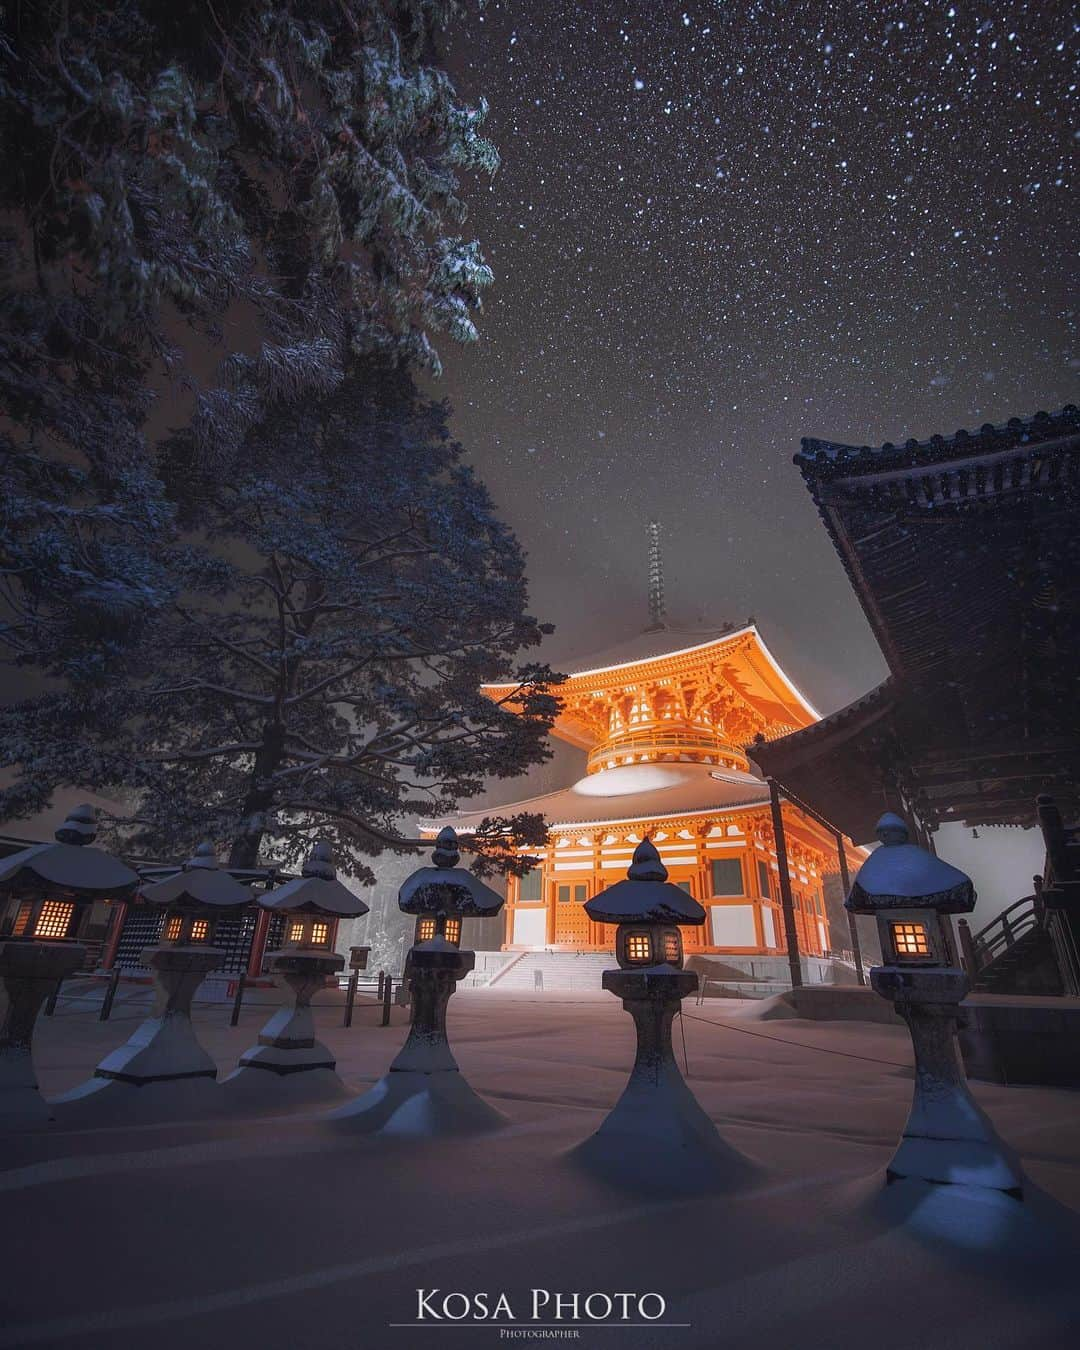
(316,891)
(80,827)
(70,865)
(199,882)
(646,896)
(900,874)
(446,889)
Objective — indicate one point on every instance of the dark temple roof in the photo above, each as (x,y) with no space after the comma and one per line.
(964,552)
(826,459)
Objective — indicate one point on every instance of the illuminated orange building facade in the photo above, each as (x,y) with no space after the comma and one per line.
(663,720)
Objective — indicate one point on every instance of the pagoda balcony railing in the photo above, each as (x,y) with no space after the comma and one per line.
(656,743)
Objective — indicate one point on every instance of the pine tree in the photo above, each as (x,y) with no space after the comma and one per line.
(214,604)
(288,167)
(319,671)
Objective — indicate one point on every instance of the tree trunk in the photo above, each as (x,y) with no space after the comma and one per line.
(259,799)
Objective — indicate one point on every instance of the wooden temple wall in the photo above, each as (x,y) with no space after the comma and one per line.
(545,911)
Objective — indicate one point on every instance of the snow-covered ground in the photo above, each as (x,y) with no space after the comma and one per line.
(281,1233)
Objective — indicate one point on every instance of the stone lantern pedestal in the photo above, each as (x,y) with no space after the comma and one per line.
(29,972)
(948,1137)
(657,1137)
(424,1093)
(288,1065)
(46,891)
(161,1067)
(288,1062)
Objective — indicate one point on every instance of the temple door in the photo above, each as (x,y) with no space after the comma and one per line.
(571,921)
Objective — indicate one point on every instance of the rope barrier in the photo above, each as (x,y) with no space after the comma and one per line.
(798,1045)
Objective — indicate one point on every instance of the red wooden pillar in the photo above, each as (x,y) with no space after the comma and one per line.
(116,926)
(258,944)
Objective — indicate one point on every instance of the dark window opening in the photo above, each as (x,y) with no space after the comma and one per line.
(727,877)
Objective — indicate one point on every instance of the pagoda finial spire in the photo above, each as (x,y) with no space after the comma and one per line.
(657,612)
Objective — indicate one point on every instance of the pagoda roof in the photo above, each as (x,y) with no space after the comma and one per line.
(737,657)
(652,644)
(689,646)
(629,794)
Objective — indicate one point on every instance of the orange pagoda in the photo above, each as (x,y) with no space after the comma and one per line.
(663,719)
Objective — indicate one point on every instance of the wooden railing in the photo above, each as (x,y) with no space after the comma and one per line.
(979,949)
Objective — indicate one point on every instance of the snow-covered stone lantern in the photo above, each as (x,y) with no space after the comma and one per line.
(194,900)
(425,1093)
(657,1136)
(312,905)
(49,890)
(162,1065)
(948,1138)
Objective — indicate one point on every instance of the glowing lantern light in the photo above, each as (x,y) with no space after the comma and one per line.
(656,1136)
(424,1082)
(47,892)
(162,1066)
(287,1050)
(948,1138)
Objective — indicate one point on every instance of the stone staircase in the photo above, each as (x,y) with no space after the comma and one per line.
(562,972)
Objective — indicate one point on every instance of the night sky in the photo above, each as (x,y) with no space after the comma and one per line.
(722,226)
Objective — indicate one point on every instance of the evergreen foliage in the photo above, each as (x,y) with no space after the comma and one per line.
(319,670)
(273,620)
(289,168)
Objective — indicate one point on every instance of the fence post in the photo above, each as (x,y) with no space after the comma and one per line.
(1006,925)
(967,948)
(388,984)
(237,1002)
(350,997)
(382,981)
(110,995)
(1039,902)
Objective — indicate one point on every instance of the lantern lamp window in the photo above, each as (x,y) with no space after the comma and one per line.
(296,930)
(425,930)
(671,948)
(173,928)
(320,934)
(22,919)
(453,931)
(54,919)
(910,939)
(200,930)
(638,947)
